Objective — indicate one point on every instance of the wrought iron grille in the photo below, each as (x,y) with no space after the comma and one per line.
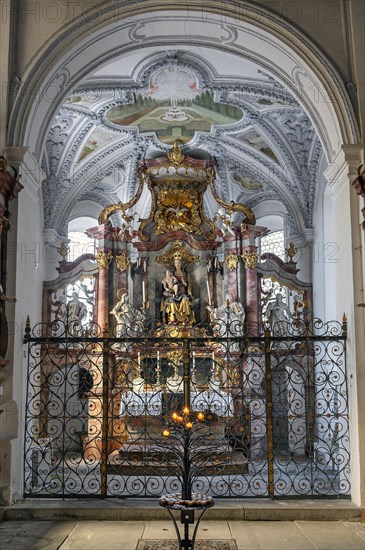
(266,416)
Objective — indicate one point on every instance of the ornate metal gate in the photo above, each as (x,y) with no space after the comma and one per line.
(109,417)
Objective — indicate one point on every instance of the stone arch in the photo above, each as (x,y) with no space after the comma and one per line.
(249,31)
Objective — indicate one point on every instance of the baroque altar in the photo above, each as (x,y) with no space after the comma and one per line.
(174,308)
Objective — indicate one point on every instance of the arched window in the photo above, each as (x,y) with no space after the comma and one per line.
(79,242)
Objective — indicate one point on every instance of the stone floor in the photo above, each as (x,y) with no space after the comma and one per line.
(124,535)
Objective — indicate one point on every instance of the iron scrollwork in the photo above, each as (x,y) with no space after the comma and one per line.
(273,411)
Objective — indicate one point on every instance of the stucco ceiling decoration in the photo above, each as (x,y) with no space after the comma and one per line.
(264,144)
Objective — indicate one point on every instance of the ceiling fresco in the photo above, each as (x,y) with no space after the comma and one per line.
(97,139)
(264,143)
(255,140)
(174,107)
(174,117)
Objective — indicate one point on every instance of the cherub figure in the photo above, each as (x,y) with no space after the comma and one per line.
(170,284)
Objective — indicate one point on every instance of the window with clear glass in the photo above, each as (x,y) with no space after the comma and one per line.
(79,244)
(273,243)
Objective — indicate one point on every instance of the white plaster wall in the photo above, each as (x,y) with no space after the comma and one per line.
(29,287)
(325,256)
(347,292)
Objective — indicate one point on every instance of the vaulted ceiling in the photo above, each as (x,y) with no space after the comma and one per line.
(265,145)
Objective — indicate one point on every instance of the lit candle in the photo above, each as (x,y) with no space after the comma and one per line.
(166,433)
(186,410)
(209,297)
(144,290)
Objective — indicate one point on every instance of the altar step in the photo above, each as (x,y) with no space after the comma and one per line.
(128,454)
(149,510)
(134,459)
(149,469)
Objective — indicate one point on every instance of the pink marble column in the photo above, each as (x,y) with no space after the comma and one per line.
(249,256)
(232,265)
(104,236)
(103,302)
(94,444)
(252,297)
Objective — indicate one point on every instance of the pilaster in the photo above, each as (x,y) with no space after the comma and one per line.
(349,293)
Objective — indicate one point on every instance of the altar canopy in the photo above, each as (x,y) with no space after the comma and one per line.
(182,321)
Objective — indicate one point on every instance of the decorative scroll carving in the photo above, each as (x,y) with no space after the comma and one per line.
(232,262)
(176,156)
(122,261)
(179,207)
(250,259)
(177,252)
(177,184)
(230,206)
(104,259)
(112,208)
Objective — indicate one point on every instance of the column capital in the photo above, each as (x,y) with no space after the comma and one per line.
(303,239)
(343,168)
(52,238)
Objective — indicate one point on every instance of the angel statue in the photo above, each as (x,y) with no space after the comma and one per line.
(130,320)
(228,321)
(77,311)
(278,315)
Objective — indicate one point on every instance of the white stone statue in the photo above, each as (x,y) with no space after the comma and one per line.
(278,315)
(77,312)
(130,320)
(228,321)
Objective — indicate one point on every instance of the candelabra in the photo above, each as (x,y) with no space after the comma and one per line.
(180,427)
